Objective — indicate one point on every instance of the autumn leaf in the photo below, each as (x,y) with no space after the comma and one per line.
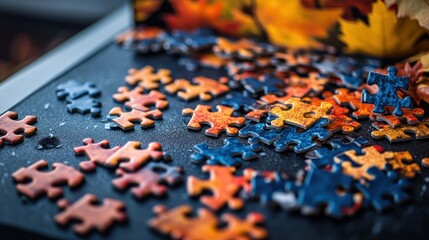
(384,36)
(289,23)
(415,9)
(349,6)
(144,8)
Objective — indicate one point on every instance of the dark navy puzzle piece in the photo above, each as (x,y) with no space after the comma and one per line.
(239,101)
(226,155)
(387,87)
(264,188)
(324,156)
(73,89)
(303,140)
(385,187)
(186,42)
(190,64)
(267,85)
(84,105)
(321,188)
(259,133)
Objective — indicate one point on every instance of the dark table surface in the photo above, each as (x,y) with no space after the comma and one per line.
(107,69)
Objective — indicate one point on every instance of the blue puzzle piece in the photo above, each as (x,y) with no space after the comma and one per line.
(386,95)
(226,155)
(303,140)
(183,42)
(385,187)
(73,89)
(267,85)
(190,64)
(259,133)
(84,105)
(264,188)
(325,156)
(239,101)
(321,187)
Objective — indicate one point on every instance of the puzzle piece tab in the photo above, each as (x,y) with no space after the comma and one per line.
(136,99)
(202,87)
(388,85)
(229,155)
(83,105)
(149,179)
(125,120)
(218,121)
(46,182)
(73,89)
(11,129)
(299,114)
(400,133)
(222,183)
(147,78)
(91,215)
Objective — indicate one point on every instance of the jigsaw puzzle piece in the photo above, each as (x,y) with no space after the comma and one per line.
(259,133)
(267,84)
(126,120)
(11,129)
(136,99)
(202,87)
(410,116)
(98,153)
(73,89)
(239,101)
(403,164)
(400,133)
(243,48)
(147,78)
(353,100)
(83,105)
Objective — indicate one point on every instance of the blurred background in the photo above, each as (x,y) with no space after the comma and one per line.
(30,28)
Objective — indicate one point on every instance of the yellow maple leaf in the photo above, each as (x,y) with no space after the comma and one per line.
(289,23)
(415,9)
(384,36)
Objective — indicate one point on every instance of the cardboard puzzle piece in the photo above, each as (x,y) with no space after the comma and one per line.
(256,115)
(42,182)
(287,61)
(136,99)
(228,155)
(403,164)
(142,39)
(126,120)
(353,100)
(388,85)
(91,215)
(325,156)
(73,89)
(98,153)
(330,189)
(83,105)
(299,114)
(11,129)
(223,184)
(410,116)
(314,82)
(239,101)
(304,140)
(203,87)
(384,188)
(147,78)
(150,179)
(242,48)
(263,188)
(400,133)
(219,121)
(259,133)
(131,156)
(178,224)
(356,165)
(266,84)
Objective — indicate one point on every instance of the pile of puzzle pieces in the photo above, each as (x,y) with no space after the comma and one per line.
(306,102)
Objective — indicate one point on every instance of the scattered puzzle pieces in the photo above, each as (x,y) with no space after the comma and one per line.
(46,182)
(388,85)
(147,78)
(384,188)
(83,105)
(299,114)
(73,89)
(149,179)
(202,87)
(399,133)
(222,183)
(229,155)
(11,129)
(98,153)
(178,224)
(125,120)
(218,121)
(91,215)
(136,99)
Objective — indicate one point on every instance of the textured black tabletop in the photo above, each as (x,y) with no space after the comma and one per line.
(107,69)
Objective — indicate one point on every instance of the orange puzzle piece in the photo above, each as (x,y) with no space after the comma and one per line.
(403,163)
(46,182)
(202,87)
(299,114)
(353,99)
(223,184)
(178,224)
(10,128)
(410,116)
(243,48)
(399,133)
(126,120)
(218,121)
(147,78)
(91,215)
(98,153)
(136,99)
